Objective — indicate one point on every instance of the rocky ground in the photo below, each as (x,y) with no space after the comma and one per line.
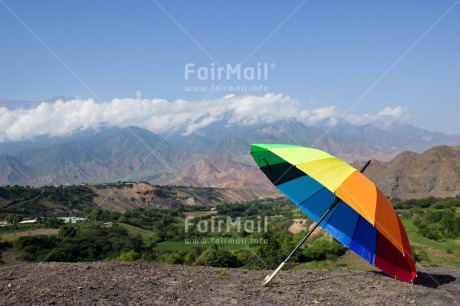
(115,283)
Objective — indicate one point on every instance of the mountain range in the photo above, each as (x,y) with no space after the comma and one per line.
(435,172)
(219,156)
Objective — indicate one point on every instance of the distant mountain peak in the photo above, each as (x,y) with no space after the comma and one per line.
(12,171)
(434,172)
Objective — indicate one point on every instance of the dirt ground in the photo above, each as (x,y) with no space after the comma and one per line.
(115,283)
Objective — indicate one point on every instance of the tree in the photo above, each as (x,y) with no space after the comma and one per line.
(67,231)
(450,225)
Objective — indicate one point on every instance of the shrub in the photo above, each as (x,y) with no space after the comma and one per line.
(36,248)
(420,255)
(193,255)
(321,250)
(430,230)
(88,243)
(67,231)
(171,258)
(222,272)
(129,256)
(217,257)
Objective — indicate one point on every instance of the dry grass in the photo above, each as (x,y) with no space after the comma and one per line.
(37,231)
(298,226)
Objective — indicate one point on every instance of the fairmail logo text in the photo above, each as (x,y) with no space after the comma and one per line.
(237,72)
(217,225)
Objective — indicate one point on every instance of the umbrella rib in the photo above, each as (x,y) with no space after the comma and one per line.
(282,175)
(353,238)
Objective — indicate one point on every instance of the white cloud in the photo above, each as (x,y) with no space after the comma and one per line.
(397,111)
(325,113)
(159,115)
(384,118)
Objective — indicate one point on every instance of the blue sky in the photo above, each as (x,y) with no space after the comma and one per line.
(357,56)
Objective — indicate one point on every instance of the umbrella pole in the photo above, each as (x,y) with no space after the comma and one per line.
(269,278)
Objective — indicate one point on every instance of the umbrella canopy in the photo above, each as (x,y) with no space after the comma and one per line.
(364,220)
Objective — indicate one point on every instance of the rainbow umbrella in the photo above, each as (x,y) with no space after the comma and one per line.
(344,202)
